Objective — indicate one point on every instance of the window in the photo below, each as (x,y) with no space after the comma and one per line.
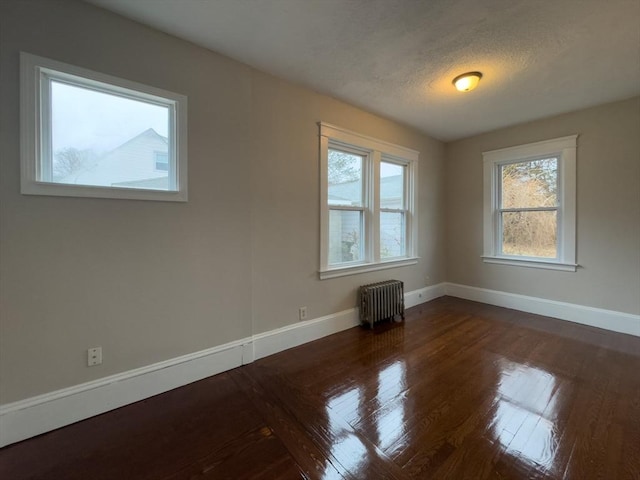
(368,204)
(393,211)
(530,205)
(162,161)
(86,134)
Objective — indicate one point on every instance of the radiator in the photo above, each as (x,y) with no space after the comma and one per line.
(382,300)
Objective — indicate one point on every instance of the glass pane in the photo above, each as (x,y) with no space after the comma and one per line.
(162,161)
(392,234)
(345,178)
(345,236)
(531,234)
(530,184)
(100,139)
(391,185)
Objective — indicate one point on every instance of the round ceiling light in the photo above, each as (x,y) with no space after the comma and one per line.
(467,81)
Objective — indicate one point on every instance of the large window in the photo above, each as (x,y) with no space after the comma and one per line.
(89,134)
(368,205)
(530,205)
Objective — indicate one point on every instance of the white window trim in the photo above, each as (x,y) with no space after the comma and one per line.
(379,150)
(32,69)
(564,149)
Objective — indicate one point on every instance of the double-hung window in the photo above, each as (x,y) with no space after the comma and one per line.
(529,205)
(87,134)
(368,204)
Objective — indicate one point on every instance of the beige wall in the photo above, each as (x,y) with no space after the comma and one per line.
(608,209)
(149,281)
(286,216)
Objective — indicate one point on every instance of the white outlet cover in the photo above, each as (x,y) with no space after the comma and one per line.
(94,356)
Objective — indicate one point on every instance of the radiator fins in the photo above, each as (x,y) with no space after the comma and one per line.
(379,301)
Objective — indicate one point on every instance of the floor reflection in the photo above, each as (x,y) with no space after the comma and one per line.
(346,447)
(387,420)
(390,424)
(526,409)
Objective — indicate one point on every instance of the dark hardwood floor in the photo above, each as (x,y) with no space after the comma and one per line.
(459,390)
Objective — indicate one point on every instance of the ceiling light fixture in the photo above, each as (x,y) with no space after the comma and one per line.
(467,81)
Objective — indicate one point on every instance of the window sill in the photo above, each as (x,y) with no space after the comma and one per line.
(368,267)
(88,191)
(531,263)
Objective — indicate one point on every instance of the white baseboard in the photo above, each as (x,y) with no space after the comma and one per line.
(426,294)
(33,416)
(594,317)
(36,415)
(275,341)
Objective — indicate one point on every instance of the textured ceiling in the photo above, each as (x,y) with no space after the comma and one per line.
(397,57)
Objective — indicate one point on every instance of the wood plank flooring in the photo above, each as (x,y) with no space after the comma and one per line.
(459,390)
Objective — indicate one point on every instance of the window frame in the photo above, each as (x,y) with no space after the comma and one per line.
(564,149)
(366,174)
(36,74)
(374,152)
(405,202)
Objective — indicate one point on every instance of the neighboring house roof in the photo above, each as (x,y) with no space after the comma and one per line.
(346,192)
(351,192)
(131,164)
(149,133)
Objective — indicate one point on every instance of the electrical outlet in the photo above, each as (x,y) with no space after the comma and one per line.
(302,313)
(94,356)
